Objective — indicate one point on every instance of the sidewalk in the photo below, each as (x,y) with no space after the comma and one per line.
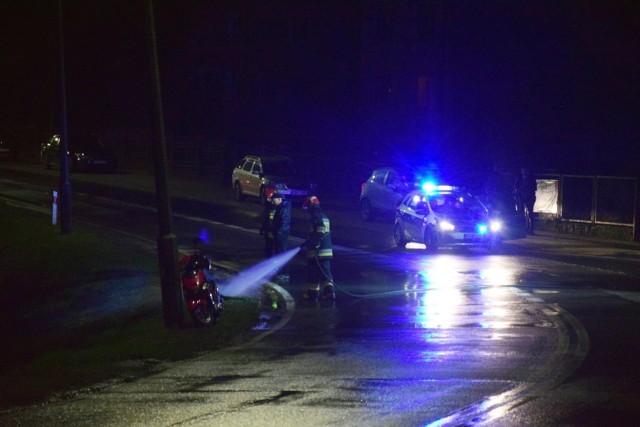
(213,189)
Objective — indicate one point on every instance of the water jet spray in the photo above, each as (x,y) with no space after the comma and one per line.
(248,281)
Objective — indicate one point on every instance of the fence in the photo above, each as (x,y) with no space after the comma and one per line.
(584,202)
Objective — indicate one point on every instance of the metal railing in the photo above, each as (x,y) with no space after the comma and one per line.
(597,200)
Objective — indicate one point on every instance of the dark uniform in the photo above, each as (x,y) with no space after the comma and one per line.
(524,191)
(319,253)
(276,226)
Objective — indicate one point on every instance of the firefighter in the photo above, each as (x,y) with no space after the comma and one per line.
(276,225)
(524,191)
(319,253)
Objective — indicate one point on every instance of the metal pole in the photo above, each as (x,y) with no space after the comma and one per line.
(65,184)
(636,211)
(166,241)
(594,201)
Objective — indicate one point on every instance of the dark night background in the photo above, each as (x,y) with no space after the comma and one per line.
(465,84)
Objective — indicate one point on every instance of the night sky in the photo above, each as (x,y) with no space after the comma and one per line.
(560,79)
(554,82)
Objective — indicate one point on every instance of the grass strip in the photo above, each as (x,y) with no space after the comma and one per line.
(44,275)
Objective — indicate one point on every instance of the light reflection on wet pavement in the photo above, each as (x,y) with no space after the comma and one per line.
(454,320)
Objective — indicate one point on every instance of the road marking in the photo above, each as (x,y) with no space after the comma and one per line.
(629,296)
(566,359)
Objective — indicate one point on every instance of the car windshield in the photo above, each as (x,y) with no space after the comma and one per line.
(283,167)
(397,182)
(453,204)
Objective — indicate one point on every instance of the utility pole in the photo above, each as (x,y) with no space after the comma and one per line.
(166,241)
(65,184)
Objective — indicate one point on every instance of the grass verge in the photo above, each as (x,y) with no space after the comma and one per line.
(46,278)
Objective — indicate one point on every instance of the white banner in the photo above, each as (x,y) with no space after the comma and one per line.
(546,196)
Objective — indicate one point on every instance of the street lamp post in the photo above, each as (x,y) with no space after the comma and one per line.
(65,183)
(166,241)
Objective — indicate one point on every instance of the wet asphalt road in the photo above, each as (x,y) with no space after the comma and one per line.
(543,333)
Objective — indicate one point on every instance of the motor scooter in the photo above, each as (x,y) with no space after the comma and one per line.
(200,291)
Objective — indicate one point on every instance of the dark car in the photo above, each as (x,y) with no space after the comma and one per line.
(6,150)
(254,174)
(88,155)
(445,216)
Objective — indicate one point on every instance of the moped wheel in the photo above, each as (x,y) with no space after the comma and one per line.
(205,315)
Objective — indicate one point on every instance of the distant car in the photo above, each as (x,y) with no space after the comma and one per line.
(90,155)
(254,174)
(382,192)
(445,216)
(5,150)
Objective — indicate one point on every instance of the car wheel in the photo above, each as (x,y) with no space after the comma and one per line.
(496,246)
(365,210)
(237,190)
(431,239)
(46,162)
(398,236)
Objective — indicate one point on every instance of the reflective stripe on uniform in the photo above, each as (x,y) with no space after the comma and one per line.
(325,252)
(320,253)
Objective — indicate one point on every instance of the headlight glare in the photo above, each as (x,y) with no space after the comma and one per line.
(446,226)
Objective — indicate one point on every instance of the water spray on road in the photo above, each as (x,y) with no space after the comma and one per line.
(248,281)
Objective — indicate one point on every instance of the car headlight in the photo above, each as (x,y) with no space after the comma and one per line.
(495,226)
(446,226)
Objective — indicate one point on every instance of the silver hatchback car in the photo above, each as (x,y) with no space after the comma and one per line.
(381,193)
(445,216)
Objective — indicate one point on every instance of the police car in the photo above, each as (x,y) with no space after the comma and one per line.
(443,216)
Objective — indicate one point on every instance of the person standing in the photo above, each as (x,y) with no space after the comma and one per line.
(319,253)
(276,226)
(524,191)
(495,191)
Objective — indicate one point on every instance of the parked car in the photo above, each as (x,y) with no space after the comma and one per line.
(254,174)
(6,151)
(382,192)
(90,155)
(445,216)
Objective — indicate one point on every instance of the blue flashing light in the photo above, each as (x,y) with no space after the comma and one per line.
(446,188)
(204,236)
(483,229)
(429,187)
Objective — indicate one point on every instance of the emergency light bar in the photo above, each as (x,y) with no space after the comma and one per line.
(430,188)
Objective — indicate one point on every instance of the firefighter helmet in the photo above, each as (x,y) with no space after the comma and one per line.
(269,193)
(272,193)
(310,201)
